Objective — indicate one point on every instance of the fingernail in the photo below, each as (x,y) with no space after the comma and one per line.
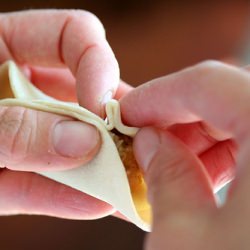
(75,139)
(146,146)
(107,97)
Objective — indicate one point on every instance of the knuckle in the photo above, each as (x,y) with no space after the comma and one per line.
(206,70)
(87,18)
(209,65)
(209,74)
(15,133)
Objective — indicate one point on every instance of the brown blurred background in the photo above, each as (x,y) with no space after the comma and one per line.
(150,39)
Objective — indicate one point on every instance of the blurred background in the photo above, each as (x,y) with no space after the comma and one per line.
(150,39)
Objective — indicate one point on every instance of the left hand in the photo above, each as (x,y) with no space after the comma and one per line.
(63,52)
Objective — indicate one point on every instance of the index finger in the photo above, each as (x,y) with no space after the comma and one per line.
(75,39)
(216,93)
(210,91)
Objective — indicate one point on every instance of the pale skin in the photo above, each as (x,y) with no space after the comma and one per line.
(63,53)
(185,215)
(63,57)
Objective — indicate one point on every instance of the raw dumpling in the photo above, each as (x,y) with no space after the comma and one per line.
(105,177)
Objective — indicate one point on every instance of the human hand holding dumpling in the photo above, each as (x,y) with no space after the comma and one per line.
(34,140)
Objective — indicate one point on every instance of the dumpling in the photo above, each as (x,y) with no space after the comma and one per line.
(113,175)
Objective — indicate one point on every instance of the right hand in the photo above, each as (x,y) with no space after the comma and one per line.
(185,215)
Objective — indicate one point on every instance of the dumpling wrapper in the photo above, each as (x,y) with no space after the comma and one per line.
(105,176)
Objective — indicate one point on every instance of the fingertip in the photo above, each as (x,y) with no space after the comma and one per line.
(95,81)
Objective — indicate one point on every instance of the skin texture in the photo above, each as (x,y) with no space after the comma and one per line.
(183,164)
(62,61)
(186,151)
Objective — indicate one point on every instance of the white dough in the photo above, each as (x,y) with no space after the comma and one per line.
(104,177)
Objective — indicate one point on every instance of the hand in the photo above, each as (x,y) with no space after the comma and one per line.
(182,168)
(59,51)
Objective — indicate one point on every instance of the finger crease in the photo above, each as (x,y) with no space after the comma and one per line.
(60,41)
(60,45)
(87,48)
(17,133)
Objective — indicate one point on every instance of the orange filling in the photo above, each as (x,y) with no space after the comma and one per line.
(137,184)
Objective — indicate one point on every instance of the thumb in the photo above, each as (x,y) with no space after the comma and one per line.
(178,187)
(36,141)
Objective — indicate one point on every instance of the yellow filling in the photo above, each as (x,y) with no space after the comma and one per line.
(137,184)
(5,91)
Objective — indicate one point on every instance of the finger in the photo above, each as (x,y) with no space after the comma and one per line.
(217,154)
(220,163)
(72,38)
(60,83)
(240,186)
(198,136)
(211,91)
(56,82)
(36,141)
(122,90)
(179,189)
(29,193)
